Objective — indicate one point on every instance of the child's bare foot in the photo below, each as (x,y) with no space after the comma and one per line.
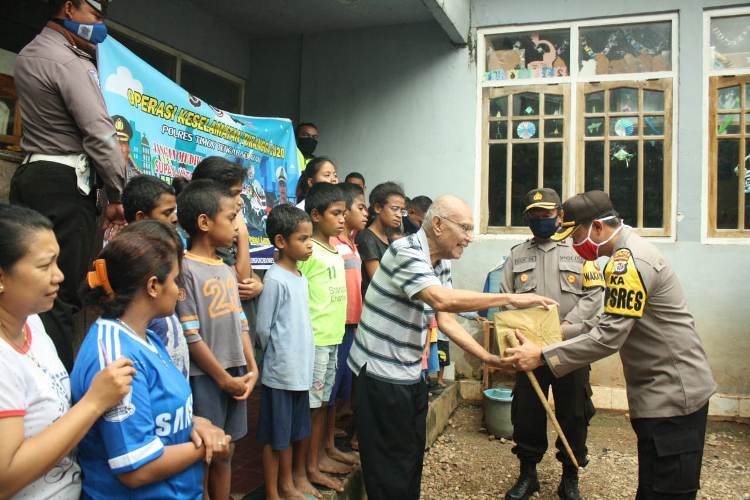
(331,466)
(354,444)
(306,487)
(442,384)
(342,456)
(290,492)
(321,479)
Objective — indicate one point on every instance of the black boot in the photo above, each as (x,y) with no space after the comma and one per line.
(568,489)
(527,483)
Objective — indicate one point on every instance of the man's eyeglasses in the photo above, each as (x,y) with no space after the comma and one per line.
(466,228)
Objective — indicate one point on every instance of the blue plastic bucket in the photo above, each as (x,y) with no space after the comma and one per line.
(497,403)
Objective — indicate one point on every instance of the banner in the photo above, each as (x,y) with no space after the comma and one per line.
(165,132)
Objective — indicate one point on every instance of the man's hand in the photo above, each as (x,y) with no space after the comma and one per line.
(114,215)
(524,300)
(249,288)
(525,357)
(249,379)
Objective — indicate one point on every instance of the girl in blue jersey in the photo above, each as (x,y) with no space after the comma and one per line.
(149,445)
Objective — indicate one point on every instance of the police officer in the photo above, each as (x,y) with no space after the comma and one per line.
(553,269)
(646,319)
(124,133)
(70,147)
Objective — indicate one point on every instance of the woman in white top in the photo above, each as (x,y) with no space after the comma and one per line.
(39,429)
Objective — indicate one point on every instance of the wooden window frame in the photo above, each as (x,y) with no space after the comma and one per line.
(8,91)
(573,135)
(715,83)
(180,57)
(665,85)
(540,140)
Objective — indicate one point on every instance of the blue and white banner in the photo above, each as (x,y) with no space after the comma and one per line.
(164,131)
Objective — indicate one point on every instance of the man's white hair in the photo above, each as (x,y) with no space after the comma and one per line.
(444,207)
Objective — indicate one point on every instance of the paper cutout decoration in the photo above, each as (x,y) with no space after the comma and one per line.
(624,127)
(623,155)
(537,324)
(526,130)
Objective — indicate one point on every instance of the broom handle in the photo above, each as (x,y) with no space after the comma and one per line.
(513,342)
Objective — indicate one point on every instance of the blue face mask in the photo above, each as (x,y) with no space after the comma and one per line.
(92,32)
(543,228)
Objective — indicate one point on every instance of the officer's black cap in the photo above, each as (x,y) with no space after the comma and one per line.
(122,128)
(582,209)
(542,198)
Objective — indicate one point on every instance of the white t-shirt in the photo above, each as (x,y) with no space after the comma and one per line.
(35,385)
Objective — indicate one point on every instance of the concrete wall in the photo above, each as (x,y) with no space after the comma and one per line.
(400,103)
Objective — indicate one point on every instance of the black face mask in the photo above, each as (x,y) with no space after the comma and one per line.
(307,145)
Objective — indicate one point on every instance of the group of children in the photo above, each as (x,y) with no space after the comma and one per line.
(308,308)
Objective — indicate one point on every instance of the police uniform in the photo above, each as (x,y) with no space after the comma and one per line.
(69,140)
(124,132)
(668,378)
(553,269)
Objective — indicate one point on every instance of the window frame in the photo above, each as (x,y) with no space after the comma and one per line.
(571,167)
(180,57)
(666,137)
(561,89)
(710,234)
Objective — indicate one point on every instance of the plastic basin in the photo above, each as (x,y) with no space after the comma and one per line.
(497,402)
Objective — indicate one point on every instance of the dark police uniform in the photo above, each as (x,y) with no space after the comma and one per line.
(554,270)
(668,378)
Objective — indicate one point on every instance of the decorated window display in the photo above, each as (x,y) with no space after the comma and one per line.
(526,148)
(631,48)
(625,148)
(729,156)
(623,76)
(730,42)
(533,54)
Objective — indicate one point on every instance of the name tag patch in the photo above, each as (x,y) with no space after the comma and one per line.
(626,294)
(592,275)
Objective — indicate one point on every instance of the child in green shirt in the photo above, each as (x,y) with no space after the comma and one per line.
(326,278)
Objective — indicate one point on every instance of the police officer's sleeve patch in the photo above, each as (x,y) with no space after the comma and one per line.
(592,275)
(626,293)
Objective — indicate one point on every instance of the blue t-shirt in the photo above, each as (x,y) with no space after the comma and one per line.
(158,412)
(169,330)
(285,331)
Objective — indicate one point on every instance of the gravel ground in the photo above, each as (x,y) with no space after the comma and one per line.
(466,463)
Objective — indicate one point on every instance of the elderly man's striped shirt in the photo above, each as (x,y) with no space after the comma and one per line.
(392,330)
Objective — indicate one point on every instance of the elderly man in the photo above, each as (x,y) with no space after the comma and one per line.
(414,278)
(71,147)
(646,319)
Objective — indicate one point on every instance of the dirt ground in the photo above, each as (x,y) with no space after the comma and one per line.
(467,463)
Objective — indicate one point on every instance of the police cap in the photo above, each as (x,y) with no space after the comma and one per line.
(582,209)
(542,198)
(122,128)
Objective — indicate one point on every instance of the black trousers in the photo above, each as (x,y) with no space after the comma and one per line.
(392,424)
(573,409)
(50,189)
(670,455)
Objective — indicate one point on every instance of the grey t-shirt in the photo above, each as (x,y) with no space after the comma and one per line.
(209,308)
(285,331)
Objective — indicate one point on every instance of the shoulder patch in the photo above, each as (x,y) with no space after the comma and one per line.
(592,275)
(626,294)
(121,411)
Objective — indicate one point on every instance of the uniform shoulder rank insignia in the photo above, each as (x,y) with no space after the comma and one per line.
(626,293)
(592,275)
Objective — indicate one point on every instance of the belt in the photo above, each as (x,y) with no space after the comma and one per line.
(77,161)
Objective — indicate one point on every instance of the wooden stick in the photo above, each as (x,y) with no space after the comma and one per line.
(513,342)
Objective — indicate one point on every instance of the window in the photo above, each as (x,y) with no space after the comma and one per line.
(210,84)
(729,126)
(10,116)
(624,148)
(618,83)
(526,146)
